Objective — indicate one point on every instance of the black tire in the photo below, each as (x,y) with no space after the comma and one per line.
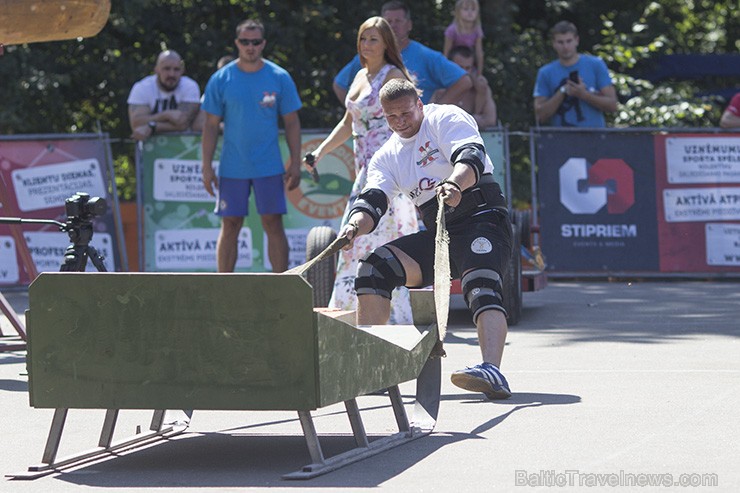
(522,219)
(321,276)
(513,280)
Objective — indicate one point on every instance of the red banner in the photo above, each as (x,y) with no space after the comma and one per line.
(37,175)
(698,202)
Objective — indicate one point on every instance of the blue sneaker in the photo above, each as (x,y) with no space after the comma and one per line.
(484,378)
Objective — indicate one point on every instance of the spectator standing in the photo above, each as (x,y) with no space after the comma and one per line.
(445,139)
(466,30)
(429,69)
(167,101)
(575,90)
(364,120)
(478,101)
(250,95)
(731,116)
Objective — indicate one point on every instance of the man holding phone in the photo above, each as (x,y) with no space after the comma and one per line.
(575,90)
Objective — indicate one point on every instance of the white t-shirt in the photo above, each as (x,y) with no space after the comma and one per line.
(147,92)
(415,166)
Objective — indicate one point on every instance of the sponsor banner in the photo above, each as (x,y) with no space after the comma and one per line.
(177,208)
(698,201)
(47,250)
(703,159)
(701,204)
(597,201)
(42,187)
(196,248)
(37,175)
(180,180)
(723,244)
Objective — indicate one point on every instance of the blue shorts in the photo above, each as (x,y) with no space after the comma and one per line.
(232,198)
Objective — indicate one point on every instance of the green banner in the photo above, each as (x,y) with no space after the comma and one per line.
(181,230)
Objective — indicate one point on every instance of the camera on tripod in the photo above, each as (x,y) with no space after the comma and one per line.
(83,207)
(80,209)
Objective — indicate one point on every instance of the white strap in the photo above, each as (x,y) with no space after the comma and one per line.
(441,270)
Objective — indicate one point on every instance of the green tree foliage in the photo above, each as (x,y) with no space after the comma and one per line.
(70,86)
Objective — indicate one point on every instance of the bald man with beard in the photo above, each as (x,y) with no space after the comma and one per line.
(167,101)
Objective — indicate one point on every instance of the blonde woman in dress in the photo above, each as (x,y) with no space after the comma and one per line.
(364,121)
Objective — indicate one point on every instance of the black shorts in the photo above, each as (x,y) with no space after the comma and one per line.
(479,242)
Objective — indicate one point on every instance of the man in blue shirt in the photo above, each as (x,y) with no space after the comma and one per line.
(249,94)
(575,90)
(429,68)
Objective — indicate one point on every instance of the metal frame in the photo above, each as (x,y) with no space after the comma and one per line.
(106,447)
(428,388)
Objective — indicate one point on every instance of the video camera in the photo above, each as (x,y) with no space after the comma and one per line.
(81,206)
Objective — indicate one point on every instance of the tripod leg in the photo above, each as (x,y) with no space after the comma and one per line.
(75,259)
(96,258)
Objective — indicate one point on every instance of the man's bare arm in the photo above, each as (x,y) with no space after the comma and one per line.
(485,109)
(138,115)
(455,92)
(604,100)
(340,91)
(293,138)
(208,148)
(729,120)
(544,107)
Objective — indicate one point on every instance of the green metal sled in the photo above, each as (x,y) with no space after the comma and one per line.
(215,342)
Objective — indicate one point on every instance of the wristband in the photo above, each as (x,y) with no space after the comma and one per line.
(450,182)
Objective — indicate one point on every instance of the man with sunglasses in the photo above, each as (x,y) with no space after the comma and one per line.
(248,95)
(167,101)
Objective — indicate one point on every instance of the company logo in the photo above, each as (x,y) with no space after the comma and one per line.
(328,198)
(425,184)
(268,99)
(427,155)
(587,189)
(481,246)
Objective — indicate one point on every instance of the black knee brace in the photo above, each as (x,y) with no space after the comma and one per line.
(483,290)
(379,273)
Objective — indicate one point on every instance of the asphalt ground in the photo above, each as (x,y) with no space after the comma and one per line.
(617,387)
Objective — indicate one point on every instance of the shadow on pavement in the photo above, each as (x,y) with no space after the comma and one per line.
(257,460)
(9,359)
(222,460)
(14,385)
(628,312)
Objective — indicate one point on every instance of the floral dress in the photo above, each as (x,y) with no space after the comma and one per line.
(370,131)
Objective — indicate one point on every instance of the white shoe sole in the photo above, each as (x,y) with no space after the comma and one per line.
(476,384)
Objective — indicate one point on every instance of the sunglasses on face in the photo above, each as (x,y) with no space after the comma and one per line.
(247,42)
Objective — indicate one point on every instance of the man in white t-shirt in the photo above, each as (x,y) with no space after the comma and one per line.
(437,150)
(167,101)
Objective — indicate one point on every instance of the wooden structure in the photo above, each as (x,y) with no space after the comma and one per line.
(25,21)
(215,342)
